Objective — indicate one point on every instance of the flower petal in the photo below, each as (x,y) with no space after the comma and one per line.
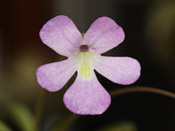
(103,35)
(54,76)
(121,70)
(61,34)
(87,97)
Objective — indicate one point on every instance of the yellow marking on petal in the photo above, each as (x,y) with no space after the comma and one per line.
(85,70)
(83,35)
(84,62)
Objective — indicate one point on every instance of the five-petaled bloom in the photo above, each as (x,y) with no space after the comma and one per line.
(86,96)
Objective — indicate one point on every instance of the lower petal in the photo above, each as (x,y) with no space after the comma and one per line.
(121,70)
(54,76)
(87,97)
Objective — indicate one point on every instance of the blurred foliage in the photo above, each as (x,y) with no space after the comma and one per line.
(4,127)
(65,124)
(160,30)
(120,126)
(21,116)
(22,76)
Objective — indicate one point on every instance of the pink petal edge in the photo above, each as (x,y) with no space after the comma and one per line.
(61,34)
(121,70)
(87,97)
(54,76)
(103,35)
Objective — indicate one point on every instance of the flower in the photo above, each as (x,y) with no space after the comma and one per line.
(86,96)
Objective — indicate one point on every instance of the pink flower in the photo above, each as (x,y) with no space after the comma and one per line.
(86,96)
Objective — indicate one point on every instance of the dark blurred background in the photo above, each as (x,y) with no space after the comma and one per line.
(149,27)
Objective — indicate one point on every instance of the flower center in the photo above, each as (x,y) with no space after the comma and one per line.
(84,48)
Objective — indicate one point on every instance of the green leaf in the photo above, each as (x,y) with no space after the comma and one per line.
(22,116)
(4,127)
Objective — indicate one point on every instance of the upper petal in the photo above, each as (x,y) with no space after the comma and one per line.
(121,70)
(54,76)
(61,34)
(103,35)
(87,97)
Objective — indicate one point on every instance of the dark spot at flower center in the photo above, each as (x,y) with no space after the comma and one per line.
(84,48)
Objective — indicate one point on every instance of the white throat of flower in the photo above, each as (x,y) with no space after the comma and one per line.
(85,60)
